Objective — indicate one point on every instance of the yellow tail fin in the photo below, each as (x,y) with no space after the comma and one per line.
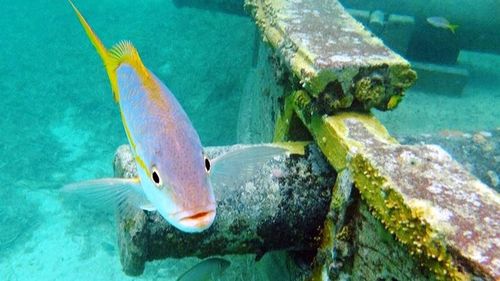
(453,27)
(109,63)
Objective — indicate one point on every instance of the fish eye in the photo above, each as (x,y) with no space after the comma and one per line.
(155,176)
(207,164)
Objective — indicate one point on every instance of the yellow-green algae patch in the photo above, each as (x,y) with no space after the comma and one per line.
(333,148)
(283,123)
(368,92)
(334,229)
(461,211)
(394,101)
(331,133)
(420,195)
(407,224)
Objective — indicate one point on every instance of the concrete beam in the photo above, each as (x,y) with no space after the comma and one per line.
(441,79)
(409,216)
(478,21)
(226,6)
(331,55)
(397,32)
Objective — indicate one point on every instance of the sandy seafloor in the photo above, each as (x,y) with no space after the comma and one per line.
(59,123)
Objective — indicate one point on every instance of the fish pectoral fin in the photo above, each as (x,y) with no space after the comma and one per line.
(100,194)
(240,165)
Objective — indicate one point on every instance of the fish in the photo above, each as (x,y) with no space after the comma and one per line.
(175,176)
(441,22)
(208,269)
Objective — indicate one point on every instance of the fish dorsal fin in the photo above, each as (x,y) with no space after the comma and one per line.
(124,52)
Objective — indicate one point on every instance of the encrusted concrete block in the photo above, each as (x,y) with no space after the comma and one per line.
(331,55)
(379,256)
(441,79)
(259,104)
(377,22)
(418,205)
(283,206)
(362,16)
(447,218)
(397,32)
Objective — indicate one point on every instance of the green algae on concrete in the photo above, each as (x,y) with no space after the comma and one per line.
(379,256)
(331,133)
(445,216)
(447,219)
(335,65)
(284,121)
(288,126)
(335,248)
(328,52)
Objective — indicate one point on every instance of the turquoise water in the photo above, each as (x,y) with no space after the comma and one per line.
(474,109)
(60,124)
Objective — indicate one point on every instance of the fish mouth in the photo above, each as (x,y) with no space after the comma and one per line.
(196,221)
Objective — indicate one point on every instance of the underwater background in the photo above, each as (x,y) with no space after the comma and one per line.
(59,122)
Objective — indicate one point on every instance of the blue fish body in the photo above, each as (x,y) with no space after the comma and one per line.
(173,171)
(162,135)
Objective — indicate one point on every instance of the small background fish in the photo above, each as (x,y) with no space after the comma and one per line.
(208,269)
(441,22)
